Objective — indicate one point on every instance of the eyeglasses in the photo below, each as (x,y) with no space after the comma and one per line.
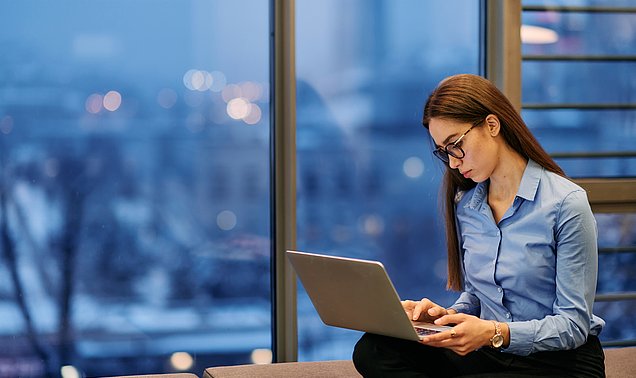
(454,148)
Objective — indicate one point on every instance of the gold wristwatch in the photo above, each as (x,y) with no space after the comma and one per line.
(497,340)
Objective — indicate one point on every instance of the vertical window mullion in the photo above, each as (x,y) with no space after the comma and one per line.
(503,47)
(283,180)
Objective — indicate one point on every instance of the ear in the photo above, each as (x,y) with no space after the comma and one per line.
(494,126)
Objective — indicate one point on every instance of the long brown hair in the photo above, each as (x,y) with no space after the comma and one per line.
(470,99)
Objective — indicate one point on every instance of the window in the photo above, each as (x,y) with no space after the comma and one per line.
(126,134)
(578,98)
(368,182)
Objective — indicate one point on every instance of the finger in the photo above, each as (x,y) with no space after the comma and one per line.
(422,306)
(417,310)
(408,305)
(450,319)
(437,311)
(441,338)
(416,313)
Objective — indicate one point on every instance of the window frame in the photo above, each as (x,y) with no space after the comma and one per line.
(502,58)
(283,178)
(606,195)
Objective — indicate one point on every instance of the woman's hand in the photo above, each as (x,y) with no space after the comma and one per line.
(469,333)
(424,310)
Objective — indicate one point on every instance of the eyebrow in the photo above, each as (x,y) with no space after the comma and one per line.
(445,142)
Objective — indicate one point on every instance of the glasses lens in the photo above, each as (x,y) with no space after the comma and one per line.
(455,151)
(441,155)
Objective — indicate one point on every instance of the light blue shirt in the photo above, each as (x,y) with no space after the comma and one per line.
(535,269)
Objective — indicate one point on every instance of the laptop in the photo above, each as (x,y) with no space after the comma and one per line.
(356,294)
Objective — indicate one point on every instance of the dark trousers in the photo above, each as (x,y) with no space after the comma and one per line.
(382,356)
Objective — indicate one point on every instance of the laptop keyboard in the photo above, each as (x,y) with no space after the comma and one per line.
(425,331)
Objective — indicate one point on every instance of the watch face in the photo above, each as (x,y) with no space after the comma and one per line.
(497,341)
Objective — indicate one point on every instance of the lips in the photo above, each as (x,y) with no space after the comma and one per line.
(465,174)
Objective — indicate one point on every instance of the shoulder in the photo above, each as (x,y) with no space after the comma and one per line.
(561,188)
(570,199)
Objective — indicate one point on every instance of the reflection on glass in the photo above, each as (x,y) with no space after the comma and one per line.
(579,33)
(129,244)
(367,182)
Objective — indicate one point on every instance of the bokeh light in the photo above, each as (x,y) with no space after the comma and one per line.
(538,35)
(413,167)
(254,115)
(226,220)
(69,371)
(112,101)
(262,356)
(94,103)
(202,80)
(181,361)
(6,124)
(187,79)
(372,224)
(238,108)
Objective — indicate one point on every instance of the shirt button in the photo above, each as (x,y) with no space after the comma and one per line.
(499,289)
(507,315)
(494,262)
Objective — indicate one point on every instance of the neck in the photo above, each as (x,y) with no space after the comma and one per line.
(505,180)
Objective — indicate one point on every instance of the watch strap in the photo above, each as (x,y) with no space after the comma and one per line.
(497,340)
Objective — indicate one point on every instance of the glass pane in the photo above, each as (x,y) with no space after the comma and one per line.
(581,131)
(578,33)
(581,3)
(617,263)
(367,181)
(610,167)
(561,82)
(134,154)
(584,130)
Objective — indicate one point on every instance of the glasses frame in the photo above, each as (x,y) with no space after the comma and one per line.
(443,153)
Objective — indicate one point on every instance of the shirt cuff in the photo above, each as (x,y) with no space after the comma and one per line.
(521,338)
(461,308)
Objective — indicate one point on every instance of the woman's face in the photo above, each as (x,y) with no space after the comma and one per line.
(477,143)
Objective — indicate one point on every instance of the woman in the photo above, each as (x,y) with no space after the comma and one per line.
(521,249)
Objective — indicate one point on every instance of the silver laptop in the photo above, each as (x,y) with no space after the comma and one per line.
(356,294)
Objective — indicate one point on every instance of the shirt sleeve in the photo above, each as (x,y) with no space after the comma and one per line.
(576,273)
(467,303)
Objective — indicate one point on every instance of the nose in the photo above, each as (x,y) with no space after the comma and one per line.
(453,162)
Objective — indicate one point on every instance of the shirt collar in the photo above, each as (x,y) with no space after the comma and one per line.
(527,188)
(530,181)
